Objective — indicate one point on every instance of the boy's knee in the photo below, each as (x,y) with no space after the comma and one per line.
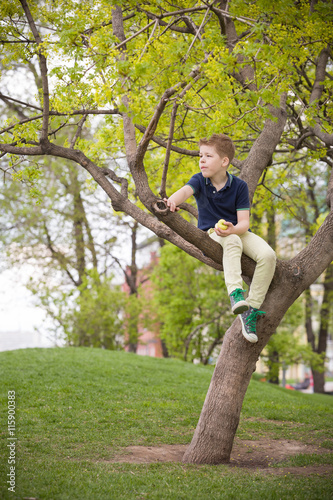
(269,256)
(233,240)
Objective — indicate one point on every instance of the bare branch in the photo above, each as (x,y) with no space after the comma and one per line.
(160,142)
(168,150)
(120,180)
(197,34)
(150,39)
(43,70)
(70,113)
(190,209)
(58,256)
(7,99)
(243,19)
(150,130)
(228,15)
(78,131)
(171,25)
(4,42)
(195,331)
(133,36)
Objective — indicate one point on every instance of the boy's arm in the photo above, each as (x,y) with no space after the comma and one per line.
(179,197)
(243,224)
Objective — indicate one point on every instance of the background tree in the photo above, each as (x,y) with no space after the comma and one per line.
(287,347)
(191,304)
(297,214)
(162,77)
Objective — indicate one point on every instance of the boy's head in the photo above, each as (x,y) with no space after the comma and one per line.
(222,143)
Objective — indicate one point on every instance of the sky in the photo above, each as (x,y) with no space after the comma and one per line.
(19,316)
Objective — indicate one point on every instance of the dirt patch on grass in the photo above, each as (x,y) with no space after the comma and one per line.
(261,454)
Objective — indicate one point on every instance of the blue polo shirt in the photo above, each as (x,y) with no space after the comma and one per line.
(214,205)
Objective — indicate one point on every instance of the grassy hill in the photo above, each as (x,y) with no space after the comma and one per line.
(78,408)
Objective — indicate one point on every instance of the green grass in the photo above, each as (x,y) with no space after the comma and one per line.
(77,407)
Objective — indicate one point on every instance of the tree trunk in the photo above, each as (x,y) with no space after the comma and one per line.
(78,218)
(165,351)
(132,347)
(318,381)
(274,367)
(319,377)
(213,438)
(271,240)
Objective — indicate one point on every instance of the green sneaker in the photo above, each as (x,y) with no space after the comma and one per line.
(238,304)
(249,320)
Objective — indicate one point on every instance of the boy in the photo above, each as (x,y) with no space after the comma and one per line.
(221,195)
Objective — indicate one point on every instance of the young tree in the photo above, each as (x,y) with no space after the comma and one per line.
(287,346)
(163,76)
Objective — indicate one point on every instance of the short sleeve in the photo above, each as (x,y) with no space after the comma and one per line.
(194,182)
(243,200)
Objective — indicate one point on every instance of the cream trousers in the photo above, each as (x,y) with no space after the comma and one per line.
(257,249)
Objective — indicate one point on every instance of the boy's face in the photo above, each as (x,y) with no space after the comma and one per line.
(210,162)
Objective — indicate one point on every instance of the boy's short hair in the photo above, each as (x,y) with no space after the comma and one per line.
(222,143)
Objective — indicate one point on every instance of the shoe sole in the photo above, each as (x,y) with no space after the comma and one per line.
(240,307)
(250,337)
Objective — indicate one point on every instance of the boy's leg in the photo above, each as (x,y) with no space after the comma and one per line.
(265,257)
(232,253)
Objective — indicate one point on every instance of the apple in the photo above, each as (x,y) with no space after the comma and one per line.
(222,225)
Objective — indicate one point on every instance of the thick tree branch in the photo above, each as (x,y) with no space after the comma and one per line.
(326,138)
(245,73)
(129,130)
(316,94)
(318,85)
(263,148)
(197,243)
(316,256)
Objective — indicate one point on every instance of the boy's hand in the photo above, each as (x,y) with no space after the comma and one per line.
(224,232)
(171,204)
